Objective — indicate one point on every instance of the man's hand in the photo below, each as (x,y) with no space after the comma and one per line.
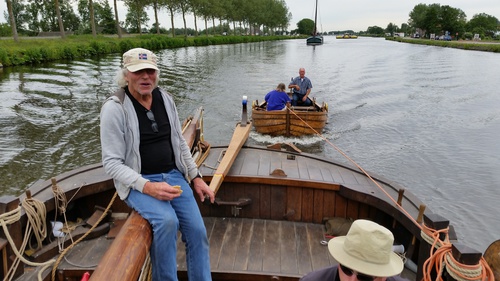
(161,191)
(203,190)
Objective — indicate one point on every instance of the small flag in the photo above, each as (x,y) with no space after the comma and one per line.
(143,56)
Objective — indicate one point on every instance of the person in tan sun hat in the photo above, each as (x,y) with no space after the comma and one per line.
(364,254)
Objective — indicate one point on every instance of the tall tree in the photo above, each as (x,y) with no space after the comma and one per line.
(136,15)
(12,21)
(59,19)
(118,28)
(92,18)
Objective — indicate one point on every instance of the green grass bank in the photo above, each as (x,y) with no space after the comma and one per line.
(485,46)
(31,51)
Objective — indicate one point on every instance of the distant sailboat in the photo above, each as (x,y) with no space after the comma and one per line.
(315,39)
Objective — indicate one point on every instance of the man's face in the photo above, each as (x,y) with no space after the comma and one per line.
(302,73)
(142,81)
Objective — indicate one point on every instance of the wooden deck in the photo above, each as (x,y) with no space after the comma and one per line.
(256,247)
(280,231)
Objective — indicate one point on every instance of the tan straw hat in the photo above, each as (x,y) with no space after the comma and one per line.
(139,58)
(367,249)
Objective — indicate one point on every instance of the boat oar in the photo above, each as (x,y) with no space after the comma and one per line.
(240,136)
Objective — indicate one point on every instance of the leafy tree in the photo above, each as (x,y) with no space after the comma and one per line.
(136,15)
(391,28)
(305,26)
(375,30)
(483,24)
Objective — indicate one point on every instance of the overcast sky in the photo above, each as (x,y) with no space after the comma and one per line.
(356,15)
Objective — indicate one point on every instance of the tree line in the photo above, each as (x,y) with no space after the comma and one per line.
(438,19)
(31,17)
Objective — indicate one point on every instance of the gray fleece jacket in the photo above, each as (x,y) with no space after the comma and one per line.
(120,139)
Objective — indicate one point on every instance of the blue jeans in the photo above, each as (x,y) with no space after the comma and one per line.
(166,217)
(297,100)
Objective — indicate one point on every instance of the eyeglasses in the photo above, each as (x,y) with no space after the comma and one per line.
(359,276)
(151,118)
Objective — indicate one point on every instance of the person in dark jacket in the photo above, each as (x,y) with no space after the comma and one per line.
(364,254)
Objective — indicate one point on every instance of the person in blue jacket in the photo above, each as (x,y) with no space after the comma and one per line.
(277,99)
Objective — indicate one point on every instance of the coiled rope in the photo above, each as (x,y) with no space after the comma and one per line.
(35,212)
(442,257)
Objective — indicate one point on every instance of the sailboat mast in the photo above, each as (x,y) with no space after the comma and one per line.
(315,19)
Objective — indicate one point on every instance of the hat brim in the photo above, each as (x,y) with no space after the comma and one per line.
(394,267)
(141,66)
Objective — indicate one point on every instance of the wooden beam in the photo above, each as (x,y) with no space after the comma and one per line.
(124,259)
(240,136)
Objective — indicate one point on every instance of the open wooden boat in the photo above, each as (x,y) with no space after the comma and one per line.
(293,121)
(269,221)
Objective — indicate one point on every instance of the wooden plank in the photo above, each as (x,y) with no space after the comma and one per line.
(229,244)
(216,241)
(288,248)
(272,238)
(278,203)
(303,249)
(241,259)
(307,205)
(255,257)
(319,253)
(265,202)
(294,203)
(240,136)
(318,216)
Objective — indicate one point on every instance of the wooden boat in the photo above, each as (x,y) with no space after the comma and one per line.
(316,38)
(294,121)
(274,210)
(347,36)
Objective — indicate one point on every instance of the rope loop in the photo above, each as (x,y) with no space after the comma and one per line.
(441,259)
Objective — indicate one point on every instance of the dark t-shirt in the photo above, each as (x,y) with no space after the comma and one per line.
(155,148)
(331,274)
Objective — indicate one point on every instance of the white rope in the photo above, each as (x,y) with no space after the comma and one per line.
(10,218)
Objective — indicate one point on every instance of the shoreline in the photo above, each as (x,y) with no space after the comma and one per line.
(36,50)
(488,46)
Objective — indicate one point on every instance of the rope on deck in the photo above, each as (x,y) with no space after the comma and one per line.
(441,259)
(35,212)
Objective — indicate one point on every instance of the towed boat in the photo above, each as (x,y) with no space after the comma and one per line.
(275,209)
(347,36)
(292,121)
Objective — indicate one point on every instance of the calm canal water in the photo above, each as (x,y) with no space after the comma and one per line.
(425,117)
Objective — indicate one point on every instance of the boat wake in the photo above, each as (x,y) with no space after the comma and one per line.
(267,139)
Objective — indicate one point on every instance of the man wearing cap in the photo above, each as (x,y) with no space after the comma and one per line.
(364,254)
(143,150)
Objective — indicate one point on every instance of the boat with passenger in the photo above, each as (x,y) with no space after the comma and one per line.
(275,209)
(347,36)
(293,121)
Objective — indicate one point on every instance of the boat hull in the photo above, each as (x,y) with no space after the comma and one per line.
(314,40)
(286,123)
